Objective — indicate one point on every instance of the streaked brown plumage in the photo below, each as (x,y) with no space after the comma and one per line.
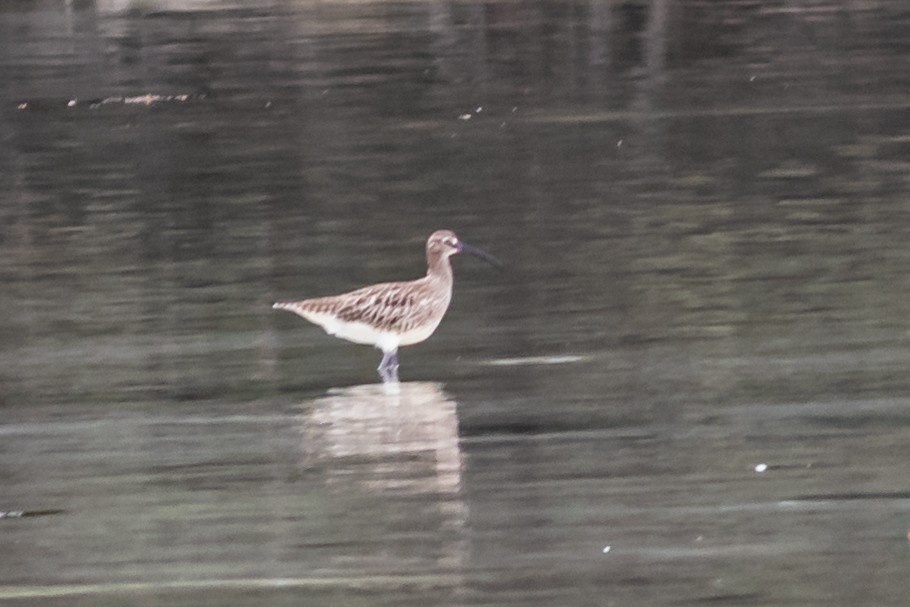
(392,314)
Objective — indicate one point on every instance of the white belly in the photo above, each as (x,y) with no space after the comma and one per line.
(415,336)
(362,333)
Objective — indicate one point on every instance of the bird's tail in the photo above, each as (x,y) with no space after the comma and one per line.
(295,307)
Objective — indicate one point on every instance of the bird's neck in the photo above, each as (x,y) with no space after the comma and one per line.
(439,268)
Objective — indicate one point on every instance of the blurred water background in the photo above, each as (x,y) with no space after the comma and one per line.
(689,387)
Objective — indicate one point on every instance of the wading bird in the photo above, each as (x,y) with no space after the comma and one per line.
(392,314)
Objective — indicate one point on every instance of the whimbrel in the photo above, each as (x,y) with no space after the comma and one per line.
(392,314)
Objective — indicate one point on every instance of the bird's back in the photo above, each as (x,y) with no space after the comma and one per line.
(411,311)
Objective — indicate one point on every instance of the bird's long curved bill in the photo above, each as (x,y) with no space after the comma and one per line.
(466,248)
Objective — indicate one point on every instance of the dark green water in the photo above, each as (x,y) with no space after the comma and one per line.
(703,210)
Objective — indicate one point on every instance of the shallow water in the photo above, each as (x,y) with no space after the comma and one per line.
(702,210)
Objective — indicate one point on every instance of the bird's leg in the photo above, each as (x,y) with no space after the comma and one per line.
(388,368)
(386,360)
(394,366)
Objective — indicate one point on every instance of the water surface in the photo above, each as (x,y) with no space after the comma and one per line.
(703,211)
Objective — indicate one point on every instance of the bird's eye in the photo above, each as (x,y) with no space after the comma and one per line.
(452,242)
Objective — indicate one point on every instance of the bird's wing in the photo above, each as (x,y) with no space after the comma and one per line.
(391,306)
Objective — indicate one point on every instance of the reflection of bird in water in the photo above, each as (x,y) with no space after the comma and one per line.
(414,427)
(401,447)
(392,314)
